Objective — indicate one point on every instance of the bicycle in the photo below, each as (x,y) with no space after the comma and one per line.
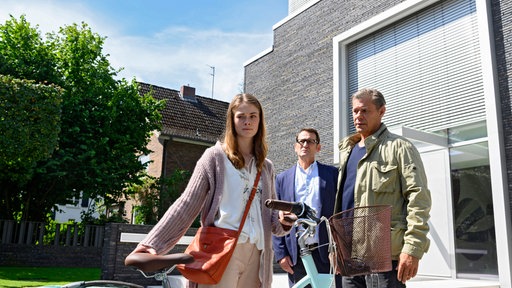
(307,220)
(159,265)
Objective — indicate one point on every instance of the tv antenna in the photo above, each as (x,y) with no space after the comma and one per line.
(213,76)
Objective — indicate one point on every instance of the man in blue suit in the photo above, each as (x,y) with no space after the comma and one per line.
(313,183)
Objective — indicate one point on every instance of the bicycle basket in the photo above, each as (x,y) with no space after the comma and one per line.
(363,240)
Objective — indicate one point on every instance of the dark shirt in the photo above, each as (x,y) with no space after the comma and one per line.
(349,177)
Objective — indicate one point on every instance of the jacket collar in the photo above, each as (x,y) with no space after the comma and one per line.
(374,138)
(370,141)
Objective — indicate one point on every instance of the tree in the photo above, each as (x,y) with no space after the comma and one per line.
(29,125)
(30,112)
(30,118)
(105,127)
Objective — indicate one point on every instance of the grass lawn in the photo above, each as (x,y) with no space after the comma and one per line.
(45,276)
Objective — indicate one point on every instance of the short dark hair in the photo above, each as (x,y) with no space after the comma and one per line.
(310,130)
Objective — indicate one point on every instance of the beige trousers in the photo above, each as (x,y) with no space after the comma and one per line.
(243,269)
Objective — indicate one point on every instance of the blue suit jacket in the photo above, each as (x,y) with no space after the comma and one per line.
(285,189)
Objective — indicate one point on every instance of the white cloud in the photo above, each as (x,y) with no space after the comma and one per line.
(173,57)
(48,15)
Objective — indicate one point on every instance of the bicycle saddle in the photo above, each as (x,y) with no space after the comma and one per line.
(147,262)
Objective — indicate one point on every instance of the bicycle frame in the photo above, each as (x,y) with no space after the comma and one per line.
(313,277)
(317,280)
(309,221)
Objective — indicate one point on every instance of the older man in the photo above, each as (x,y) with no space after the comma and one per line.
(378,167)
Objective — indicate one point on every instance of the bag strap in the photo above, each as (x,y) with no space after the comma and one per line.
(248,205)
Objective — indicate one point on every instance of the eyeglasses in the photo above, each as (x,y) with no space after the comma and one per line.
(303,142)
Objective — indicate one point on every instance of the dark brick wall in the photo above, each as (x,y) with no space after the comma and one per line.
(180,155)
(49,256)
(502,18)
(115,251)
(295,81)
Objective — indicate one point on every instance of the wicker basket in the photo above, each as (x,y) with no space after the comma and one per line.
(363,240)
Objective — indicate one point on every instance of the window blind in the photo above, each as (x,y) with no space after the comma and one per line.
(426,65)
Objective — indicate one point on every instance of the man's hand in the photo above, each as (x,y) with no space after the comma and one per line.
(407,267)
(287,218)
(286,264)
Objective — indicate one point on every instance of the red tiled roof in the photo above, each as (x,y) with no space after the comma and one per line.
(202,120)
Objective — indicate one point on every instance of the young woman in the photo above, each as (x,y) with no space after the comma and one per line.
(219,188)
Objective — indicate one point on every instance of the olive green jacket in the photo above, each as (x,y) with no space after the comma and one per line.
(391,173)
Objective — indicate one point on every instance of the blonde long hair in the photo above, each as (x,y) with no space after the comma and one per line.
(260,147)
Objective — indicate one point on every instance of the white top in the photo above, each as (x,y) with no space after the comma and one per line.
(307,188)
(237,189)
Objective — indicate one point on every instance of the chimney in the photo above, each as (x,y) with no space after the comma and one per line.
(188,93)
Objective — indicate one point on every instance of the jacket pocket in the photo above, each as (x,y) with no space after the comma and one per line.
(384,177)
(397,241)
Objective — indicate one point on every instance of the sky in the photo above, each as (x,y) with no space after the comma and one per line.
(168,43)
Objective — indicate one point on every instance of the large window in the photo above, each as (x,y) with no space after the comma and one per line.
(475,240)
(426,65)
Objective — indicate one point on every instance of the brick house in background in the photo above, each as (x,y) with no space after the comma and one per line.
(190,124)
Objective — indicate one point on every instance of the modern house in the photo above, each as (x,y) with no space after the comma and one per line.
(444,68)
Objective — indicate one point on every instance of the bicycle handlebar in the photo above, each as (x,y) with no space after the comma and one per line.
(296,208)
(147,262)
(301,209)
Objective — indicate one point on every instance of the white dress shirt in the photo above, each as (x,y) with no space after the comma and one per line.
(307,188)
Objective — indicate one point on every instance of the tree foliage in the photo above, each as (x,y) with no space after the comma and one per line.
(105,122)
(29,125)
(155,195)
(147,195)
(24,54)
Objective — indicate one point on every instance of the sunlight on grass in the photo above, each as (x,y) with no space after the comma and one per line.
(23,283)
(45,276)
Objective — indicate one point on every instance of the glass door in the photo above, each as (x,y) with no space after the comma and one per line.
(474,230)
